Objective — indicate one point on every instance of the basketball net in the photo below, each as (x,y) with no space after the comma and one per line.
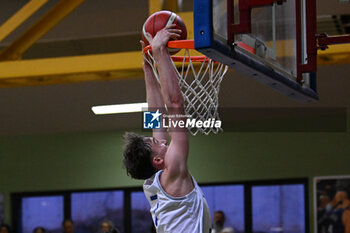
(199,80)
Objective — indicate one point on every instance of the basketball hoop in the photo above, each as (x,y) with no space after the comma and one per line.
(199,79)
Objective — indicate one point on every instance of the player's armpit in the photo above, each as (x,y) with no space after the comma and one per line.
(176,179)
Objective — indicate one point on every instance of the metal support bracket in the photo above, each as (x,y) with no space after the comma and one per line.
(307,63)
(323,40)
(15,50)
(19,17)
(245,8)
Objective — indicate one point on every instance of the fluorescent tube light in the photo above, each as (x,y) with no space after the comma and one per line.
(119,108)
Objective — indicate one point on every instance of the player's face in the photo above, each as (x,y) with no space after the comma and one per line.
(159,147)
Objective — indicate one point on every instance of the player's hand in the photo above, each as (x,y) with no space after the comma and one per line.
(162,37)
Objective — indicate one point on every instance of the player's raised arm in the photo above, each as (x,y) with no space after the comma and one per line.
(154,95)
(176,156)
(171,92)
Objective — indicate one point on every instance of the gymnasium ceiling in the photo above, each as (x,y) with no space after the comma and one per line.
(113,27)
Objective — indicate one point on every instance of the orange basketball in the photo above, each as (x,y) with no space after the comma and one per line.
(158,21)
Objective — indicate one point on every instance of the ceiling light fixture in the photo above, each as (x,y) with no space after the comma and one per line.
(119,108)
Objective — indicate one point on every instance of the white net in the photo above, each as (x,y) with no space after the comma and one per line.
(200,86)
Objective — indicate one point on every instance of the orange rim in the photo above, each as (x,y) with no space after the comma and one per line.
(181,44)
(187,59)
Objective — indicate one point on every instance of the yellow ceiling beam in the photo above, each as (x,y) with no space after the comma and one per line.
(70,69)
(78,68)
(101,67)
(40,28)
(19,17)
(154,6)
(335,54)
(187,17)
(170,5)
(158,5)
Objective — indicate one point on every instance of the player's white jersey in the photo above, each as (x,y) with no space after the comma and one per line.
(188,214)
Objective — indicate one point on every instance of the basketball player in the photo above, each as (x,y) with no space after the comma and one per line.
(177,202)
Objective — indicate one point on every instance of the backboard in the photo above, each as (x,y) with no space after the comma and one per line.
(271,41)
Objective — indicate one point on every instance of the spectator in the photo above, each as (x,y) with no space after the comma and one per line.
(335,216)
(4,228)
(341,213)
(108,226)
(68,226)
(39,230)
(219,223)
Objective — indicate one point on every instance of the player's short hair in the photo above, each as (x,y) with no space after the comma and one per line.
(137,156)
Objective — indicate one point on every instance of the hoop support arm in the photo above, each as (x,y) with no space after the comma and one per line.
(245,7)
(323,40)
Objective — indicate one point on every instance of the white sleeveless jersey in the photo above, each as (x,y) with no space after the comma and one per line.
(188,214)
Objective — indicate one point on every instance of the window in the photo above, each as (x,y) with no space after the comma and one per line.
(141,220)
(230,200)
(42,211)
(278,208)
(90,208)
(262,206)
